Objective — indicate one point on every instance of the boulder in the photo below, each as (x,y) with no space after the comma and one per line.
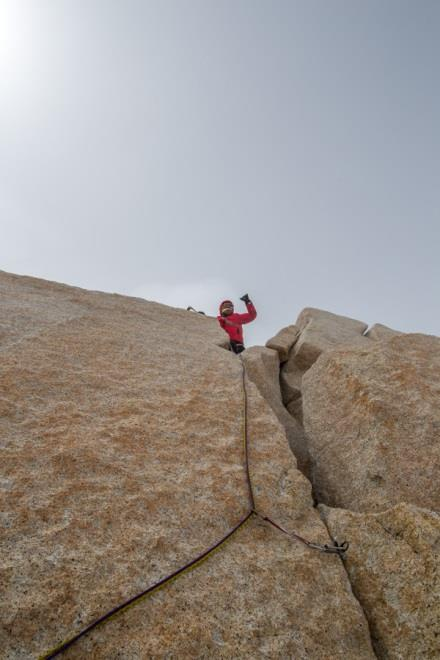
(283,341)
(379,332)
(321,331)
(262,367)
(318,331)
(122,458)
(394,568)
(372,418)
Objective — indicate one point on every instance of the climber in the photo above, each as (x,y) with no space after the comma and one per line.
(232,322)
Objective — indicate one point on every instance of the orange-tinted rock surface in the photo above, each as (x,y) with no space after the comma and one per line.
(122,458)
(394,568)
(372,418)
(369,401)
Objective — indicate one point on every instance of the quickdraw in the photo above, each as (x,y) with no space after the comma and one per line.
(335,549)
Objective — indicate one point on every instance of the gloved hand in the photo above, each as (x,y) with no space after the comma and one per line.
(245,298)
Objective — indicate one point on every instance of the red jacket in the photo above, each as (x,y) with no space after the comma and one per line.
(232,324)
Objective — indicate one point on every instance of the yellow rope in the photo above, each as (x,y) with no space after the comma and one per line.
(208,555)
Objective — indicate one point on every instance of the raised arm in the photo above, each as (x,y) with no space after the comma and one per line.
(251,312)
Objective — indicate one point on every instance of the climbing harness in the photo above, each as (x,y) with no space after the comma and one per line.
(338,549)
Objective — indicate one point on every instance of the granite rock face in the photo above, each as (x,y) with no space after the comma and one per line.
(283,342)
(372,418)
(368,401)
(379,332)
(394,567)
(262,368)
(321,331)
(318,331)
(121,458)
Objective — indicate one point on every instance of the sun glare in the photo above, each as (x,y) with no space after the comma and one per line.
(16,45)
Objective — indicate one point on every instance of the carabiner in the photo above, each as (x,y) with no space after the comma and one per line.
(337,548)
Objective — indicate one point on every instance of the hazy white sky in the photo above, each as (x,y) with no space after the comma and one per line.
(193,150)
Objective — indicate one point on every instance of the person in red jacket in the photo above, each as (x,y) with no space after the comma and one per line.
(232,323)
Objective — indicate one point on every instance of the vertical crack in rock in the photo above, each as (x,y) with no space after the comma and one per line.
(122,458)
(357,596)
(369,405)
(262,367)
(394,567)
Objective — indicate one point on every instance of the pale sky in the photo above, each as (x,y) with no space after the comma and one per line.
(188,151)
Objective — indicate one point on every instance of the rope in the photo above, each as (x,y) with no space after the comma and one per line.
(245,436)
(134,600)
(337,548)
(147,592)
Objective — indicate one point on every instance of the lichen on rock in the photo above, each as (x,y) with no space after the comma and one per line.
(394,568)
(372,418)
(122,459)
(369,403)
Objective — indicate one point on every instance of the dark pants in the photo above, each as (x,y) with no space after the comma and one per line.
(237,347)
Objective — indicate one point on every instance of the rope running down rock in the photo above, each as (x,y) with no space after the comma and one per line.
(338,549)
